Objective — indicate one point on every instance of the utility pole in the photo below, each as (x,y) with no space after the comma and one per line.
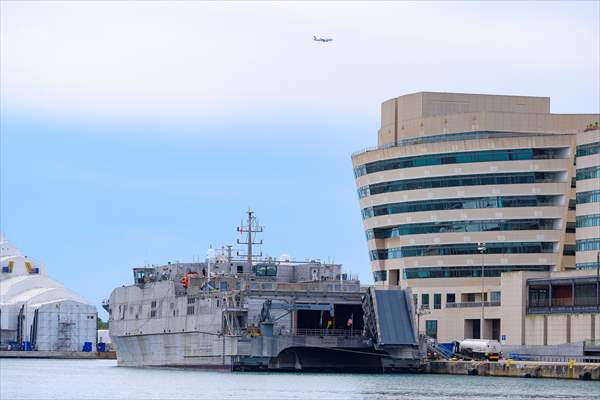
(481,247)
(250,228)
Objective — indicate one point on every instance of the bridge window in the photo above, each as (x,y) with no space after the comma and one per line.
(265,270)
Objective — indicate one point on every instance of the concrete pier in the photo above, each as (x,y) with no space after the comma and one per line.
(63,355)
(518,369)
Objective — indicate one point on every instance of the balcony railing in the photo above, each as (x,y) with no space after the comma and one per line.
(473,304)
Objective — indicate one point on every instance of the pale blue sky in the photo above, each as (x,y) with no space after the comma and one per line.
(135,131)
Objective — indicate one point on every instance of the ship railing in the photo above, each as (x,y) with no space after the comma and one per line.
(313,286)
(328,332)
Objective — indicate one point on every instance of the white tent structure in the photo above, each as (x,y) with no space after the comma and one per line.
(37,312)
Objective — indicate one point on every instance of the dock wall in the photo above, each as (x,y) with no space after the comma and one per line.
(63,355)
(517,369)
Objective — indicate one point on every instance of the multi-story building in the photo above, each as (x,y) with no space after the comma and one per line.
(468,195)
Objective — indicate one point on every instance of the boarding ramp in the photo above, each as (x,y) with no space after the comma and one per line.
(390,324)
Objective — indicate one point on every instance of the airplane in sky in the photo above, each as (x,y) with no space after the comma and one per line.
(324,40)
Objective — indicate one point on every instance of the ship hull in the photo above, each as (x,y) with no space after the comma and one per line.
(189,349)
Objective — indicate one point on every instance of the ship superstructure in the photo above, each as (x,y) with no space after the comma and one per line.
(245,313)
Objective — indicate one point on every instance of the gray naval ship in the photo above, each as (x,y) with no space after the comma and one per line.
(246,312)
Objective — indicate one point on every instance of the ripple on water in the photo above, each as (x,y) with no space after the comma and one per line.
(102,379)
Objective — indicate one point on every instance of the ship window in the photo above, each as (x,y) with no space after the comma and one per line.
(153,304)
(153,314)
(191,300)
(266,270)
(240,269)
(190,310)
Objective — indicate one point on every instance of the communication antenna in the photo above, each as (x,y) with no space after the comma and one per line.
(251,227)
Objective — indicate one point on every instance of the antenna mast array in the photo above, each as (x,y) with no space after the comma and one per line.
(250,228)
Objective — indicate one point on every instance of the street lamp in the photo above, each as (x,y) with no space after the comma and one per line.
(481,247)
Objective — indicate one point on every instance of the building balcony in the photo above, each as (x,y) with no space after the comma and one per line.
(473,304)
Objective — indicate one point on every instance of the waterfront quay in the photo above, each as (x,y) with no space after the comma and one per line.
(60,355)
(517,369)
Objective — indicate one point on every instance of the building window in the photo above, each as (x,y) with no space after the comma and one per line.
(461,249)
(450,298)
(462,226)
(588,173)
(569,250)
(437,301)
(462,180)
(572,204)
(470,297)
(570,227)
(588,244)
(495,297)
(587,265)
(465,204)
(539,296)
(425,300)
(380,276)
(459,158)
(593,196)
(588,149)
(586,221)
(468,271)
(431,328)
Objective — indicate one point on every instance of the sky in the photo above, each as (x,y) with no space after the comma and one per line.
(140,132)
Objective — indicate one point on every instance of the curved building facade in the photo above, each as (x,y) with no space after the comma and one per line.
(465,185)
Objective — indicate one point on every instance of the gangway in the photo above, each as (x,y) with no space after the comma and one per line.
(390,324)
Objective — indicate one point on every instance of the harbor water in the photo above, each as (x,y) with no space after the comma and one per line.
(101,379)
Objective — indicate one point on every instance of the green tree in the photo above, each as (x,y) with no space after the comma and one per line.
(102,324)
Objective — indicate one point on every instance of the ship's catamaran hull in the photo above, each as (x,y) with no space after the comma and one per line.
(232,314)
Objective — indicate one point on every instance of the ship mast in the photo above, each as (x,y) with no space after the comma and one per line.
(250,228)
